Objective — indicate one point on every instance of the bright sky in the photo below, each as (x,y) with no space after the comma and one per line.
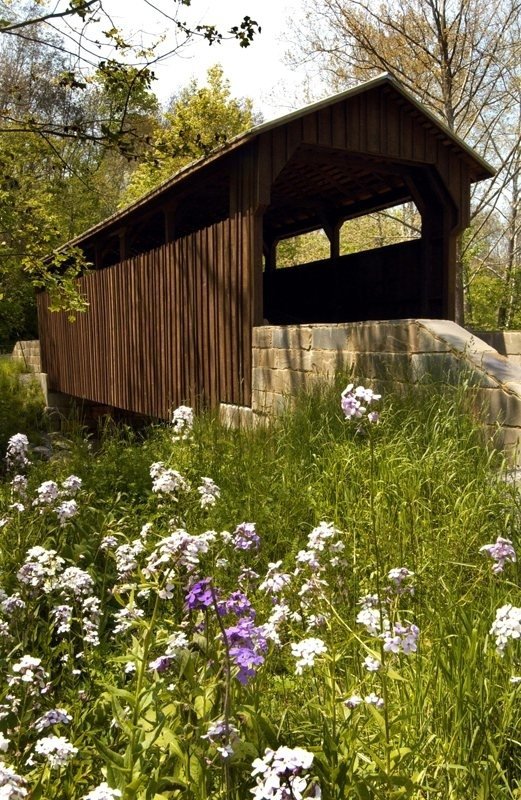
(257,71)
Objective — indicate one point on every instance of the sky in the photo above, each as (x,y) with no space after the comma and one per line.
(257,71)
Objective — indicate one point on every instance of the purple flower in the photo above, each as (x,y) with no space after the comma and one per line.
(200,594)
(501,552)
(237,604)
(247,644)
(245,537)
(352,399)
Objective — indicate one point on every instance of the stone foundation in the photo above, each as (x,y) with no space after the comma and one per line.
(386,354)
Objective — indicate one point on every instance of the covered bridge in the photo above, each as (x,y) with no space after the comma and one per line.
(181,277)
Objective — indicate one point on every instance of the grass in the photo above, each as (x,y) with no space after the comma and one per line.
(419,490)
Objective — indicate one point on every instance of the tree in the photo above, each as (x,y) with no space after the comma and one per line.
(459,57)
(120,63)
(198,120)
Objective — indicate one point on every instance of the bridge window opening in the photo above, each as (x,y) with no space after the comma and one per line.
(401,223)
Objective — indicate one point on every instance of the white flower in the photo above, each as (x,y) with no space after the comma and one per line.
(4,744)
(72,484)
(209,492)
(16,453)
(12,786)
(48,492)
(57,750)
(102,792)
(305,652)
(507,625)
(373,700)
(353,701)
(372,664)
(66,510)
(182,422)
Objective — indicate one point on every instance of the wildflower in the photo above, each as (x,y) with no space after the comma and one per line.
(56,716)
(237,603)
(397,576)
(275,581)
(182,422)
(372,664)
(4,746)
(145,530)
(76,581)
(16,453)
(353,701)
(502,552)
(47,492)
(12,786)
(72,484)
(245,537)
(247,644)
(41,569)
(160,664)
(167,481)
(66,510)
(62,618)
(28,670)
(224,735)
(209,492)
(130,667)
(507,625)
(403,638)
(177,641)
(200,595)
(352,399)
(373,620)
(279,774)
(126,617)
(126,557)
(11,604)
(305,652)
(374,700)
(57,750)
(181,548)
(102,792)
(19,484)
(108,542)
(17,507)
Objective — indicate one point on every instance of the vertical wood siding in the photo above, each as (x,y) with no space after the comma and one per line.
(163,328)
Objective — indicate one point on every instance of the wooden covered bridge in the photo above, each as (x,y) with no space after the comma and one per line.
(181,277)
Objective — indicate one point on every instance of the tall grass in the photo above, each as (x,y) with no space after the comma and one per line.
(419,490)
(21,403)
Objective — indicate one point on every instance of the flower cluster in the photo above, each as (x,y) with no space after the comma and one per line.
(354,402)
(370,700)
(245,537)
(280,775)
(182,422)
(224,735)
(12,785)
(502,552)
(56,749)
(167,481)
(103,792)
(56,716)
(306,651)
(209,492)
(16,453)
(506,626)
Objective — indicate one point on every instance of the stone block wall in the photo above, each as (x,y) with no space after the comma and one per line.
(507,343)
(389,353)
(29,353)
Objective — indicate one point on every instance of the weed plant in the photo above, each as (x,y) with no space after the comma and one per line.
(306,609)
